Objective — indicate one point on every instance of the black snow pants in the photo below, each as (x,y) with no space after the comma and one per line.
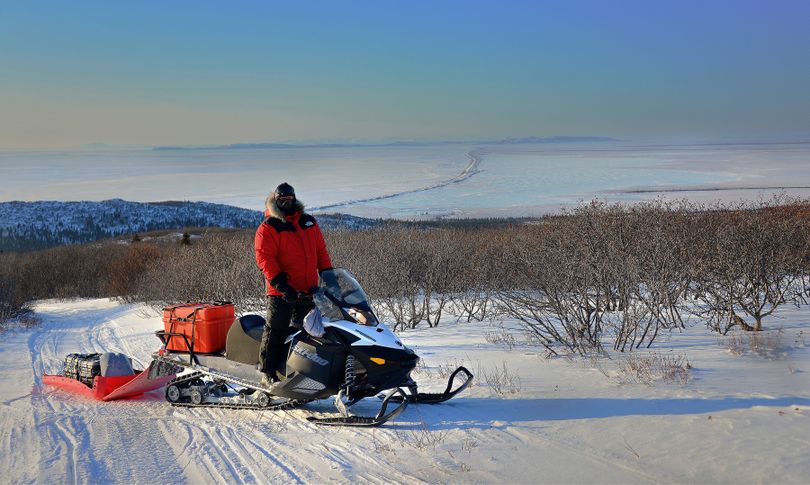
(280,314)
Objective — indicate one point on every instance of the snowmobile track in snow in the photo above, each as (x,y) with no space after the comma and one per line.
(469,170)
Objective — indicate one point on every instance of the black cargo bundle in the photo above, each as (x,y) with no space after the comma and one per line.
(83,367)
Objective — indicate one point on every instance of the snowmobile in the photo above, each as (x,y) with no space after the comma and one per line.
(356,357)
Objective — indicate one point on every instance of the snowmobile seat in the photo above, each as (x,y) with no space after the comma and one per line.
(243,340)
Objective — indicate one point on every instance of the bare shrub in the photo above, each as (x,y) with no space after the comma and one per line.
(446,256)
(444,369)
(767,344)
(379,445)
(409,272)
(393,270)
(501,379)
(556,293)
(422,368)
(572,282)
(422,437)
(756,261)
(628,270)
(647,369)
(62,272)
(28,319)
(468,444)
(479,275)
(594,361)
(473,304)
(501,336)
(12,302)
(651,270)
(800,340)
(218,267)
(123,274)
(66,271)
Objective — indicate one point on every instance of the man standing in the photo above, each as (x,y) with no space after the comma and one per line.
(290,251)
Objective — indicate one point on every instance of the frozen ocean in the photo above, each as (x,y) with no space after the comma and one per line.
(414,182)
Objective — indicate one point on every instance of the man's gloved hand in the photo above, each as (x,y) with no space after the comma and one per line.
(279,282)
(329,278)
(290,295)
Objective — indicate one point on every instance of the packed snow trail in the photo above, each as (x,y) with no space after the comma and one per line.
(740,419)
(469,170)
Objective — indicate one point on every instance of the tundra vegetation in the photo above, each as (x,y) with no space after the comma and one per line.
(598,274)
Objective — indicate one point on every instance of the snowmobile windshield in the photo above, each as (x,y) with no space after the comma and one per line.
(341,296)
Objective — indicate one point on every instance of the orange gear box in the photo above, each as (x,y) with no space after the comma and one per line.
(205,325)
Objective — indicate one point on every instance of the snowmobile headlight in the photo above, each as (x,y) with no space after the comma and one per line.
(377,360)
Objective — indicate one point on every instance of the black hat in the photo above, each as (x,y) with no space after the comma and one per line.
(285,189)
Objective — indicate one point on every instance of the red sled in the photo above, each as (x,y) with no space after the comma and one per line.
(110,388)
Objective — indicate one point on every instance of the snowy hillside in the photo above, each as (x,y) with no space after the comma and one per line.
(740,415)
(42,224)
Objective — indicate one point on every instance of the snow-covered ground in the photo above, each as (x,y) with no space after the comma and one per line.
(739,419)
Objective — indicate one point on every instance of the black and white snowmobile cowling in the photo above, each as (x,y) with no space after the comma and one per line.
(356,357)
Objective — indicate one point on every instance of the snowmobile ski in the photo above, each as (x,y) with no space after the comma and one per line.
(368,421)
(436,398)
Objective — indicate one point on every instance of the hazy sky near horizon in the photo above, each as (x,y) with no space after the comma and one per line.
(204,72)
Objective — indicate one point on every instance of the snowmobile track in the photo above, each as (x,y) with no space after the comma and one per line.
(284,404)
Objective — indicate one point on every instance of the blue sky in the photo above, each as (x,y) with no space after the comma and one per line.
(199,72)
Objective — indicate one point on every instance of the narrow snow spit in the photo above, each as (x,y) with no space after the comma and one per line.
(741,416)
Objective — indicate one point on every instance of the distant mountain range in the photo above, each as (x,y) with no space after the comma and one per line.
(26,226)
(504,141)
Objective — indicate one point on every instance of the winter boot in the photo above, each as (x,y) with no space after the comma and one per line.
(268,380)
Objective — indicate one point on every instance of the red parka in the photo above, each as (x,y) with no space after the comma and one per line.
(293,245)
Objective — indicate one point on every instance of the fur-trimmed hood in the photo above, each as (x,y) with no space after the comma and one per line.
(271,210)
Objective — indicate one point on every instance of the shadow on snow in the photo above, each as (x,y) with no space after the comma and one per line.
(490,412)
